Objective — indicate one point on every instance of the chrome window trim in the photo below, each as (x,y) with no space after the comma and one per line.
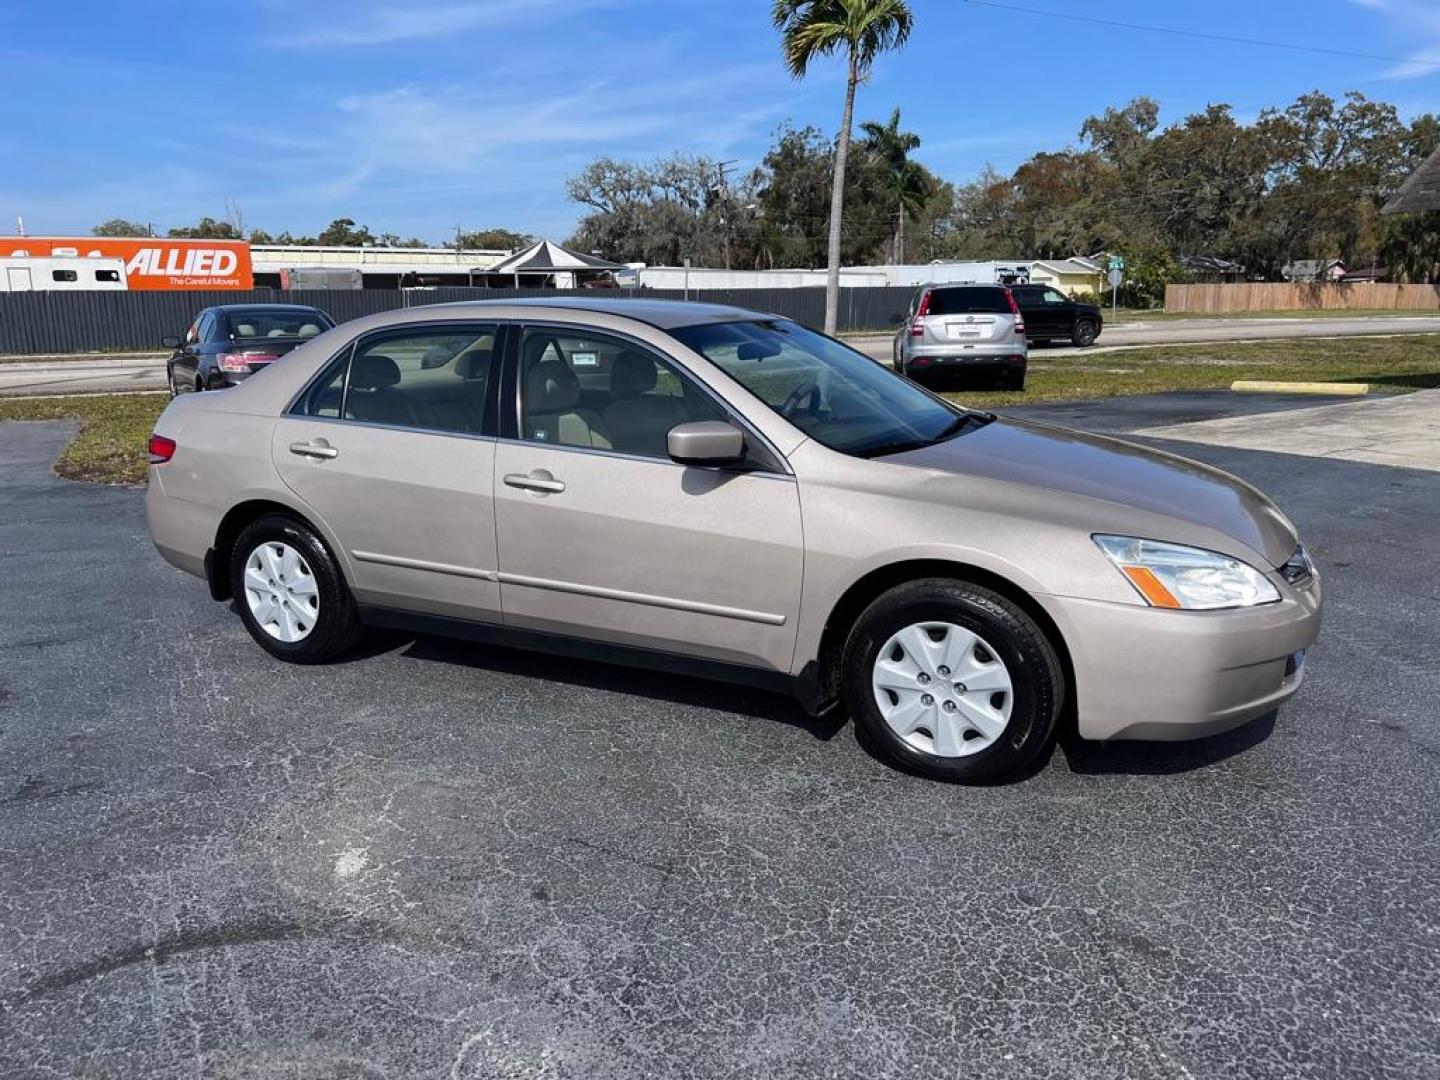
(404,428)
(683,371)
(384,332)
(767,474)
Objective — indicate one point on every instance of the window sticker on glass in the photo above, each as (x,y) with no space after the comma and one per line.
(584,359)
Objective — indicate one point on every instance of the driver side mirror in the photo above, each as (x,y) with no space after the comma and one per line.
(706,442)
(170,342)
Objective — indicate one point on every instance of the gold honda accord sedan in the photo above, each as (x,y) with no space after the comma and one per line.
(726,494)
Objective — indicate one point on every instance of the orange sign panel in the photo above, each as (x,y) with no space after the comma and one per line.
(152,262)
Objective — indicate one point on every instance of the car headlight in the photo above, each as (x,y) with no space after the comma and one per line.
(1174,576)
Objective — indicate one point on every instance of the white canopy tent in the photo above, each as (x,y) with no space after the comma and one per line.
(538,264)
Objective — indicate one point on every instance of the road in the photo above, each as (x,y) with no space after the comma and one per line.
(442,860)
(95,374)
(1199,331)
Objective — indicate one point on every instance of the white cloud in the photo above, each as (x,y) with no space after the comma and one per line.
(1419,21)
(381,22)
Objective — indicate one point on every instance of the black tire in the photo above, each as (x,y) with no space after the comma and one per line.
(170,381)
(199,385)
(1013,380)
(338,627)
(1084,334)
(1037,677)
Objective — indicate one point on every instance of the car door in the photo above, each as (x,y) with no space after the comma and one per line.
(186,362)
(392,447)
(1057,310)
(602,536)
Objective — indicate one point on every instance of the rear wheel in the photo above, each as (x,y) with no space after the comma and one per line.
(1084,334)
(1013,380)
(952,681)
(290,592)
(170,381)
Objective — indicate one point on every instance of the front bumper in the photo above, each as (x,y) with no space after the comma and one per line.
(1147,673)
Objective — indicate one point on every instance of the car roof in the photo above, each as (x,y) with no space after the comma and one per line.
(230,309)
(661,314)
(965,285)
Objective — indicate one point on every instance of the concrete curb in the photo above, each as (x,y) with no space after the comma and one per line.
(1263,386)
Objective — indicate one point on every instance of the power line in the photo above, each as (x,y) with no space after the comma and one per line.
(1227,38)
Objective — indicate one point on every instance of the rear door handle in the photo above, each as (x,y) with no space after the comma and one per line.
(314,450)
(538,481)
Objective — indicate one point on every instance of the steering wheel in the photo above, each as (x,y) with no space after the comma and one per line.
(811,389)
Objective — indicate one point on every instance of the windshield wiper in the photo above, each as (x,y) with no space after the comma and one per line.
(961,424)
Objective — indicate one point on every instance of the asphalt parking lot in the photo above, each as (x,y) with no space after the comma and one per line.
(440,860)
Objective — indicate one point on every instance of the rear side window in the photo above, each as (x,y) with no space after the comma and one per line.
(64,275)
(971,300)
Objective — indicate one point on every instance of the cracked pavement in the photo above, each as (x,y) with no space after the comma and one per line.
(435,859)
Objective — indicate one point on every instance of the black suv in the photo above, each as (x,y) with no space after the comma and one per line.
(1050,314)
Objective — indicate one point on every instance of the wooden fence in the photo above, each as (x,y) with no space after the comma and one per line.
(1265,296)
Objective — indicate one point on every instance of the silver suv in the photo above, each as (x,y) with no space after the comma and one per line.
(963,330)
(728,494)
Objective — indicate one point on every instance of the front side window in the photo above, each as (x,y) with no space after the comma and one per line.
(590,390)
(64,275)
(435,379)
(834,394)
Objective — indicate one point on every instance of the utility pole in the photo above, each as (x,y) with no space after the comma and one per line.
(725,205)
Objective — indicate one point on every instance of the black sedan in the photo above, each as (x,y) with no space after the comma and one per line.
(1050,315)
(225,344)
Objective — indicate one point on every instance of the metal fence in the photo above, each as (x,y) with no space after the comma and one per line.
(66,322)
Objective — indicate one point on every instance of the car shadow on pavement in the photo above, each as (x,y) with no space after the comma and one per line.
(1163,758)
(676,689)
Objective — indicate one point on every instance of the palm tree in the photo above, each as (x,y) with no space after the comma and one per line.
(862,29)
(907,181)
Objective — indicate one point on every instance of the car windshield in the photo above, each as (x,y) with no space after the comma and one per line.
(286,322)
(834,394)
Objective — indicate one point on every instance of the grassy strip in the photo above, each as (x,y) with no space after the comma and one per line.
(1125,315)
(111,447)
(1396,363)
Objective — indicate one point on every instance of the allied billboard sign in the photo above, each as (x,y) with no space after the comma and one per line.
(152,262)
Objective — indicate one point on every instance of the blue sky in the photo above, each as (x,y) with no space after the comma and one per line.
(419,116)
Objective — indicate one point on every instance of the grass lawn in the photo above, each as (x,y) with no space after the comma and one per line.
(1394,363)
(111,447)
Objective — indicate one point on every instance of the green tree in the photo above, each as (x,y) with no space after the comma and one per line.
(862,30)
(908,182)
(207,229)
(494,240)
(120,227)
(343,232)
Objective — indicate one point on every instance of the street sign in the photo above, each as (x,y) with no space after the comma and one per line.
(1117,262)
(1115,277)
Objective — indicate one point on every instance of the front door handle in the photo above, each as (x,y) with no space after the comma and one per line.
(318,449)
(539,480)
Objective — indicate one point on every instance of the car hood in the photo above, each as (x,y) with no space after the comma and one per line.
(1096,467)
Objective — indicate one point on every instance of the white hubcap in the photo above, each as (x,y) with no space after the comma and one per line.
(942,689)
(281,591)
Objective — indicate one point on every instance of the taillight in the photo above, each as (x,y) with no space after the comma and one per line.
(1015,310)
(240,362)
(161,449)
(917,324)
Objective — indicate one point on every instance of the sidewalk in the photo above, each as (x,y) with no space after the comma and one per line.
(1403,431)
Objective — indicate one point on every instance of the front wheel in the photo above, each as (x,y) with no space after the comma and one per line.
(1084,334)
(290,592)
(952,681)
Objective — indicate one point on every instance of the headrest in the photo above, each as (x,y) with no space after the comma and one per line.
(474,364)
(551,387)
(277,332)
(244,329)
(374,372)
(310,329)
(633,374)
